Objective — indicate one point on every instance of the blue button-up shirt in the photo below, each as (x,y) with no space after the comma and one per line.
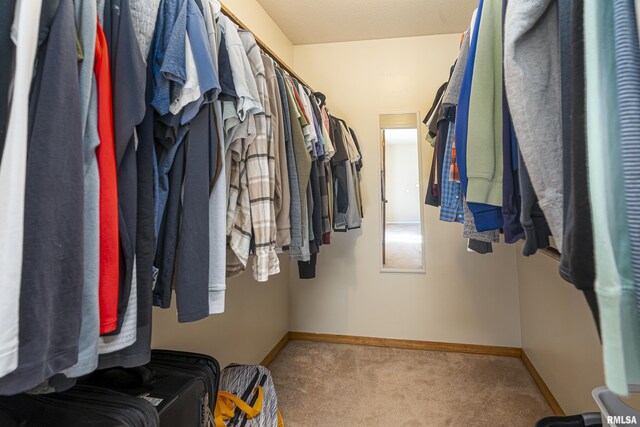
(451,202)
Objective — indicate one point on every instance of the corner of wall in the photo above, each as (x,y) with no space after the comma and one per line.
(558,333)
(258,21)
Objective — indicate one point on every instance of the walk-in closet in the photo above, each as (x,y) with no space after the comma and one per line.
(268,213)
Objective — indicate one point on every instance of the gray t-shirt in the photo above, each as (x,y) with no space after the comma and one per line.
(90,329)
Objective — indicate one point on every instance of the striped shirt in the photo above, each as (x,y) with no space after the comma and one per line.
(614,278)
(627,53)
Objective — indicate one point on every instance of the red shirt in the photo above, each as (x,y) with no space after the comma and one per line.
(106,154)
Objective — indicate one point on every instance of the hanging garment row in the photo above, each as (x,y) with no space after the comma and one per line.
(148,147)
(536,134)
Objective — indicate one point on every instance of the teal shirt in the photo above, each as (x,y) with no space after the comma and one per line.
(614,280)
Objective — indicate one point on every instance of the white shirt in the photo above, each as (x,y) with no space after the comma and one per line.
(13,172)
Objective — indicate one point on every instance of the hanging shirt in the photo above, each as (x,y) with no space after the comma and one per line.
(261,173)
(620,330)
(168,56)
(238,203)
(139,353)
(184,258)
(627,54)
(50,304)
(577,263)
(282,196)
(486,217)
(192,269)
(451,208)
(240,132)
(295,217)
(354,209)
(171,131)
(218,196)
(228,91)
(128,86)
(470,231)
(511,200)
(329,146)
(354,216)
(533,84)
(243,78)
(190,92)
(86,17)
(7,53)
(484,134)
(536,228)
(144,14)
(12,181)
(109,256)
(303,169)
(311,130)
(327,151)
(452,93)
(168,53)
(339,163)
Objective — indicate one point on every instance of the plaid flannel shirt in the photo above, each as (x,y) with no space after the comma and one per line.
(238,206)
(261,172)
(451,200)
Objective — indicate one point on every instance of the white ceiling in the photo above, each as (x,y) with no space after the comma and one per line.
(326,21)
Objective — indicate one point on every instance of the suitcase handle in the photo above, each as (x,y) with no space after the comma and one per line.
(227,403)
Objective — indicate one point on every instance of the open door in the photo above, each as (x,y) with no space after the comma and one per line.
(383,192)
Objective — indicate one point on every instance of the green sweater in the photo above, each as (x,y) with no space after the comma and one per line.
(484,139)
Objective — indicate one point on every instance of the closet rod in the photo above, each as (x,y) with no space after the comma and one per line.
(264,47)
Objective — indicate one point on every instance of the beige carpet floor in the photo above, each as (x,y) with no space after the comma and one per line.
(337,385)
(403,246)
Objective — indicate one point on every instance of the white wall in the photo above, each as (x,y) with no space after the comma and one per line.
(402,178)
(558,333)
(257,314)
(256,317)
(260,23)
(463,297)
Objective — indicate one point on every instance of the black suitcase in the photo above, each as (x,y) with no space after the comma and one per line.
(196,364)
(82,406)
(182,386)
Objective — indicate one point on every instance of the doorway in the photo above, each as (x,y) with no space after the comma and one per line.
(401,207)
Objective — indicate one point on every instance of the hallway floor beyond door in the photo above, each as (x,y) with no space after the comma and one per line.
(403,246)
(338,385)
